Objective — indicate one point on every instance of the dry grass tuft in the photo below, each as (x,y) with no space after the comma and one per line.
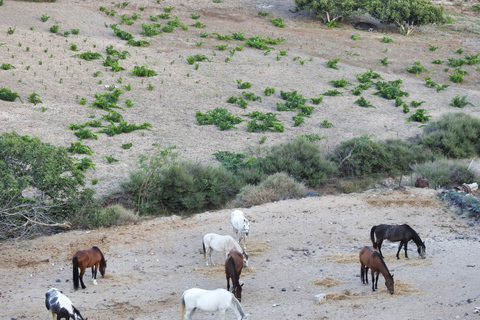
(406,289)
(256,248)
(343,258)
(219,271)
(327,282)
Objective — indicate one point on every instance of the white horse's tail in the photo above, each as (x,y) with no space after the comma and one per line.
(204,251)
(182,310)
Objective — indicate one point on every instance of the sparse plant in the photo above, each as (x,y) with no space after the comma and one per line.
(34,98)
(419,116)
(89,55)
(362,102)
(150,87)
(243,85)
(416,104)
(326,124)
(277,22)
(384,61)
(460,51)
(110,159)
(142,71)
(341,83)
(460,102)
(263,13)
(437,61)
(332,93)
(432,48)
(79,148)
(355,37)
(7,95)
(317,101)
(416,68)
(7,66)
(386,40)
(268,122)
(219,117)
(82,101)
(195,15)
(168,9)
(45,17)
(269,91)
(332,64)
(442,87)
(456,77)
(54,28)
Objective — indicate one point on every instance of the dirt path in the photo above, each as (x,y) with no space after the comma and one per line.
(292,244)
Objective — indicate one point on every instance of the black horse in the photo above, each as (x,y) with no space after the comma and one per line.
(403,233)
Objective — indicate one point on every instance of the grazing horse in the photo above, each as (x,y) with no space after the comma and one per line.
(216,242)
(210,301)
(241,226)
(233,269)
(92,257)
(60,306)
(370,258)
(403,233)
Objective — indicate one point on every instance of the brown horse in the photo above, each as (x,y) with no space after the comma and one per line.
(233,269)
(370,258)
(85,259)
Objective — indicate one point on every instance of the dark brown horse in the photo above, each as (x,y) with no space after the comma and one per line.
(85,259)
(403,233)
(371,259)
(233,269)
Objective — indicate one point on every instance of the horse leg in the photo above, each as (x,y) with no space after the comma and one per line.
(362,272)
(379,246)
(189,314)
(405,245)
(400,248)
(82,272)
(222,314)
(94,273)
(376,281)
(373,280)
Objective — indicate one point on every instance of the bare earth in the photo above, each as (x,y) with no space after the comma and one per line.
(292,243)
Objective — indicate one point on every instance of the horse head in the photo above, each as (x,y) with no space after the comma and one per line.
(103,267)
(237,292)
(245,259)
(422,250)
(246,226)
(390,284)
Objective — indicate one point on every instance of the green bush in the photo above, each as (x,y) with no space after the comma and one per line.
(56,187)
(301,159)
(362,156)
(276,187)
(444,173)
(219,117)
(114,215)
(455,135)
(7,95)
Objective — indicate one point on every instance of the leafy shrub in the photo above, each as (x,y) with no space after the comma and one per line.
(367,76)
(243,85)
(219,117)
(472,59)
(34,98)
(85,134)
(332,64)
(341,83)
(456,77)
(363,156)
(89,55)
(45,17)
(455,62)
(362,102)
(390,90)
(143,72)
(262,122)
(386,40)
(442,87)
(126,145)
(197,57)
(276,187)
(301,159)
(110,159)
(262,43)
(443,173)
(460,102)
(437,61)
(29,163)
(238,36)
(326,124)
(79,148)
(277,22)
(269,91)
(432,48)
(416,104)
(124,127)
(455,135)
(54,28)
(385,62)
(251,96)
(419,116)
(417,68)
(84,164)
(263,13)
(298,120)
(7,95)
(332,93)
(7,66)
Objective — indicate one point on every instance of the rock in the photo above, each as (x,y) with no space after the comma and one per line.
(320,297)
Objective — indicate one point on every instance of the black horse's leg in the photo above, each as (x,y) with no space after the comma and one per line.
(366,274)
(376,281)
(399,248)
(373,280)
(405,244)
(379,246)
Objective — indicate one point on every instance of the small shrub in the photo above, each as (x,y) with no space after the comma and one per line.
(168,9)
(332,93)
(84,164)
(10,30)
(219,117)
(317,101)
(275,187)
(85,134)
(390,90)
(384,61)
(432,48)
(332,64)
(54,28)
(89,55)
(362,102)
(386,40)
(7,66)
(34,98)
(416,104)
(79,148)
(75,31)
(269,91)
(262,122)
(126,145)
(443,173)
(7,95)
(419,116)
(298,120)
(110,159)
(243,85)
(195,15)
(341,83)
(416,68)
(277,22)
(460,102)
(143,72)
(355,37)
(326,124)
(263,13)
(442,87)
(437,61)
(454,62)
(45,17)
(456,77)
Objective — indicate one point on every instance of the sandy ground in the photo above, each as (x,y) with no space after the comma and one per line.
(292,243)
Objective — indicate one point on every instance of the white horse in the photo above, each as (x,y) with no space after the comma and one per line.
(241,226)
(210,301)
(60,306)
(216,242)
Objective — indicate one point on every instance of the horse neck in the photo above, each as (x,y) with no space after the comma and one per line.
(383,269)
(102,260)
(416,239)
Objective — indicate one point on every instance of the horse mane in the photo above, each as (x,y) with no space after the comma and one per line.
(238,305)
(101,254)
(383,262)
(415,237)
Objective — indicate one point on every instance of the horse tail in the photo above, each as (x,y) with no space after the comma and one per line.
(75,272)
(182,310)
(372,236)
(204,252)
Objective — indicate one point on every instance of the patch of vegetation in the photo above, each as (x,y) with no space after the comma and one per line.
(7,95)
(437,61)
(386,40)
(444,173)
(142,71)
(416,104)
(197,57)
(332,93)
(79,148)
(454,135)
(416,68)
(367,76)
(85,134)
(277,22)
(432,48)
(89,55)
(54,28)
(262,122)
(332,64)
(269,91)
(219,117)
(251,96)
(390,90)
(7,66)
(34,98)
(419,116)
(341,83)
(362,102)
(124,127)
(460,102)
(326,124)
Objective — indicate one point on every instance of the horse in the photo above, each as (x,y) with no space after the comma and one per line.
(216,242)
(370,258)
(241,226)
(84,259)
(61,306)
(403,233)
(210,300)
(233,269)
